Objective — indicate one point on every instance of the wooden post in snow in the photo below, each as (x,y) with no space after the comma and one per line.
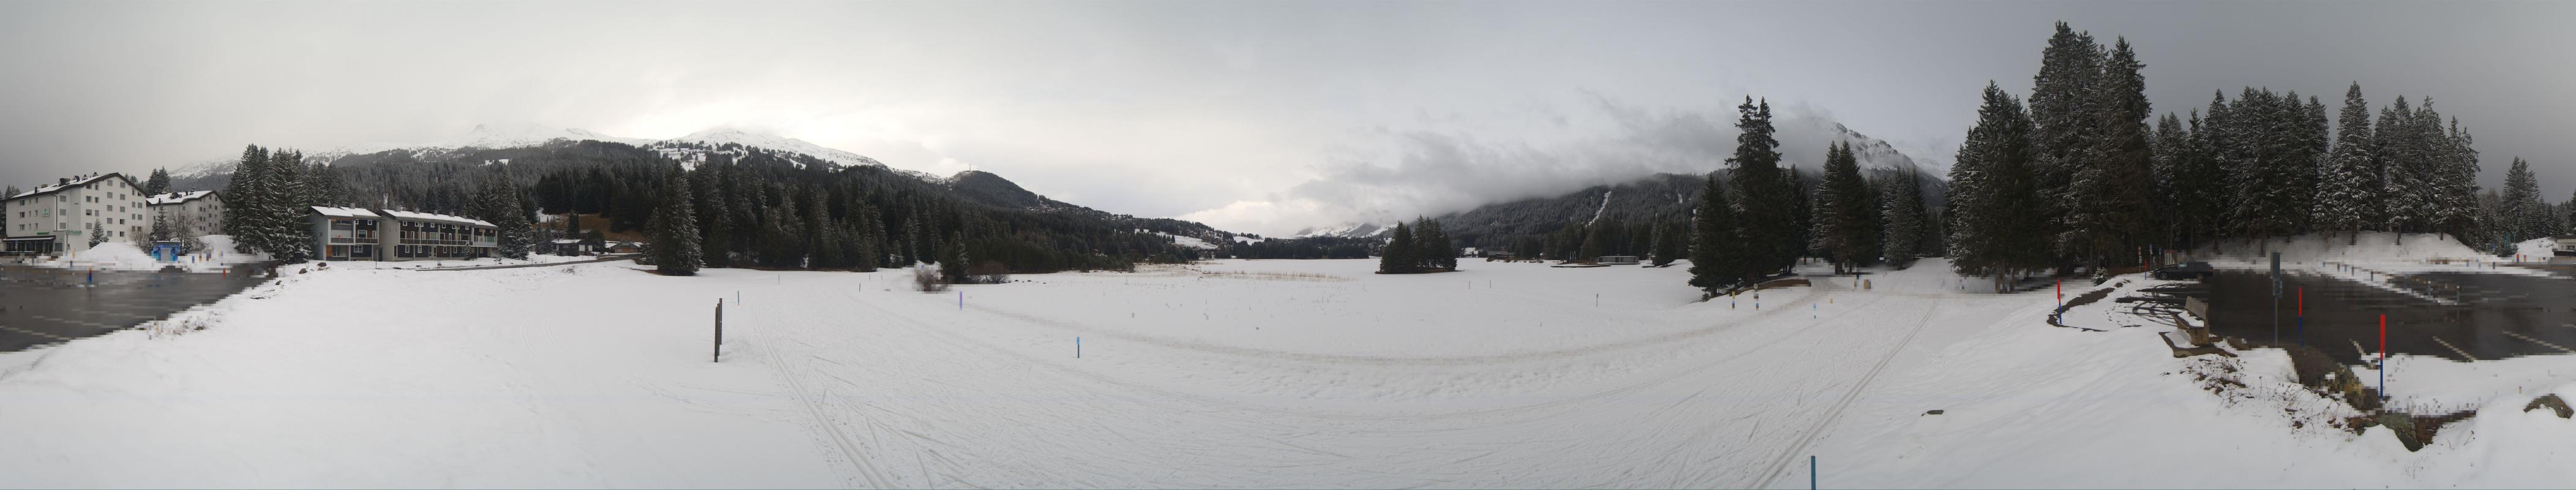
(719,349)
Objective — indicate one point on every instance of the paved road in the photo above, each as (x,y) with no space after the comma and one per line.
(40,307)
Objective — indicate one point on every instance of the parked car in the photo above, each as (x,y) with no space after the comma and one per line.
(2183,271)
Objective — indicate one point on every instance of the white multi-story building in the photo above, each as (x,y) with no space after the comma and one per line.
(64,217)
(187,214)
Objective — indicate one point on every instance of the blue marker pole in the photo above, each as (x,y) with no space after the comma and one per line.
(961,301)
(1077,347)
(1811,472)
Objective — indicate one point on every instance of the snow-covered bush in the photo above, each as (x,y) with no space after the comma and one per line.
(928,280)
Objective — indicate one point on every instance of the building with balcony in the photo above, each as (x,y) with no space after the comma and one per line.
(187,214)
(388,235)
(66,216)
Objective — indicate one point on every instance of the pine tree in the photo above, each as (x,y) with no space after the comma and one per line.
(1992,194)
(1802,213)
(952,258)
(10,192)
(2459,184)
(1902,217)
(1399,255)
(1595,244)
(244,195)
(1668,243)
(673,229)
(282,212)
(818,222)
(497,202)
(158,184)
(162,228)
(1433,246)
(2109,214)
(1765,197)
(2348,187)
(2402,186)
(2517,205)
(2063,127)
(1717,249)
(1846,224)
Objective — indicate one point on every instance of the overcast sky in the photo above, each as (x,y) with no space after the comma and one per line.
(1262,117)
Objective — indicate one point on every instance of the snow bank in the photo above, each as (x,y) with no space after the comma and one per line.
(116,256)
(2371,246)
(1248,373)
(2536,250)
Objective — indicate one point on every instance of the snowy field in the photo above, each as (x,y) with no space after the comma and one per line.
(1278,373)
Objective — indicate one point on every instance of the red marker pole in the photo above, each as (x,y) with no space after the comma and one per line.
(2061,293)
(2383,356)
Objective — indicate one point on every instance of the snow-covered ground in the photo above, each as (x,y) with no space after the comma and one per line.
(1240,373)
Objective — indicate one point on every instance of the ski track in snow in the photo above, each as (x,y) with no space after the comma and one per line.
(1220,375)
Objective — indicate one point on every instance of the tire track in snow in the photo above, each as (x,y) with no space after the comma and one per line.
(1780,465)
(1399,360)
(822,420)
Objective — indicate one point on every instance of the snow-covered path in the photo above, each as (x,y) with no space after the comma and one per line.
(1727,402)
(1228,374)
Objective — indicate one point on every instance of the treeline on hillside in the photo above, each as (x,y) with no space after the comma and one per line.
(1652,217)
(760,211)
(2077,179)
(270,192)
(1305,248)
(750,208)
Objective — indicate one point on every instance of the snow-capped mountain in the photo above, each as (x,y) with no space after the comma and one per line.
(1353,230)
(1650,197)
(688,150)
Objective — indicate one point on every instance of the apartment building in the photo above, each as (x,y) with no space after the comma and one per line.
(388,235)
(63,217)
(189,214)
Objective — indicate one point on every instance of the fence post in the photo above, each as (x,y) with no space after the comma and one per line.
(719,348)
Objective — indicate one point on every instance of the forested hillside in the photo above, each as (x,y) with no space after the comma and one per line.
(753,206)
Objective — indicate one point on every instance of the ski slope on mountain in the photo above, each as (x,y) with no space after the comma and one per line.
(1310,373)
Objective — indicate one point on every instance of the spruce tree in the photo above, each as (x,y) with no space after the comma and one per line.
(1433,246)
(2402,185)
(159,183)
(714,204)
(1765,197)
(953,257)
(2348,187)
(10,192)
(2519,204)
(1845,215)
(2063,127)
(282,215)
(244,195)
(2458,186)
(498,203)
(2108,202)
(1902,217)
(1992,194)
(1670,241)
(1717,246)
(1400,250)
(674,229)
(161,225)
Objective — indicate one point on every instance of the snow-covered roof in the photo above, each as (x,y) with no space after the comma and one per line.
(345,212)
(176,197)
(436,217)
(566,241)
(76,182)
